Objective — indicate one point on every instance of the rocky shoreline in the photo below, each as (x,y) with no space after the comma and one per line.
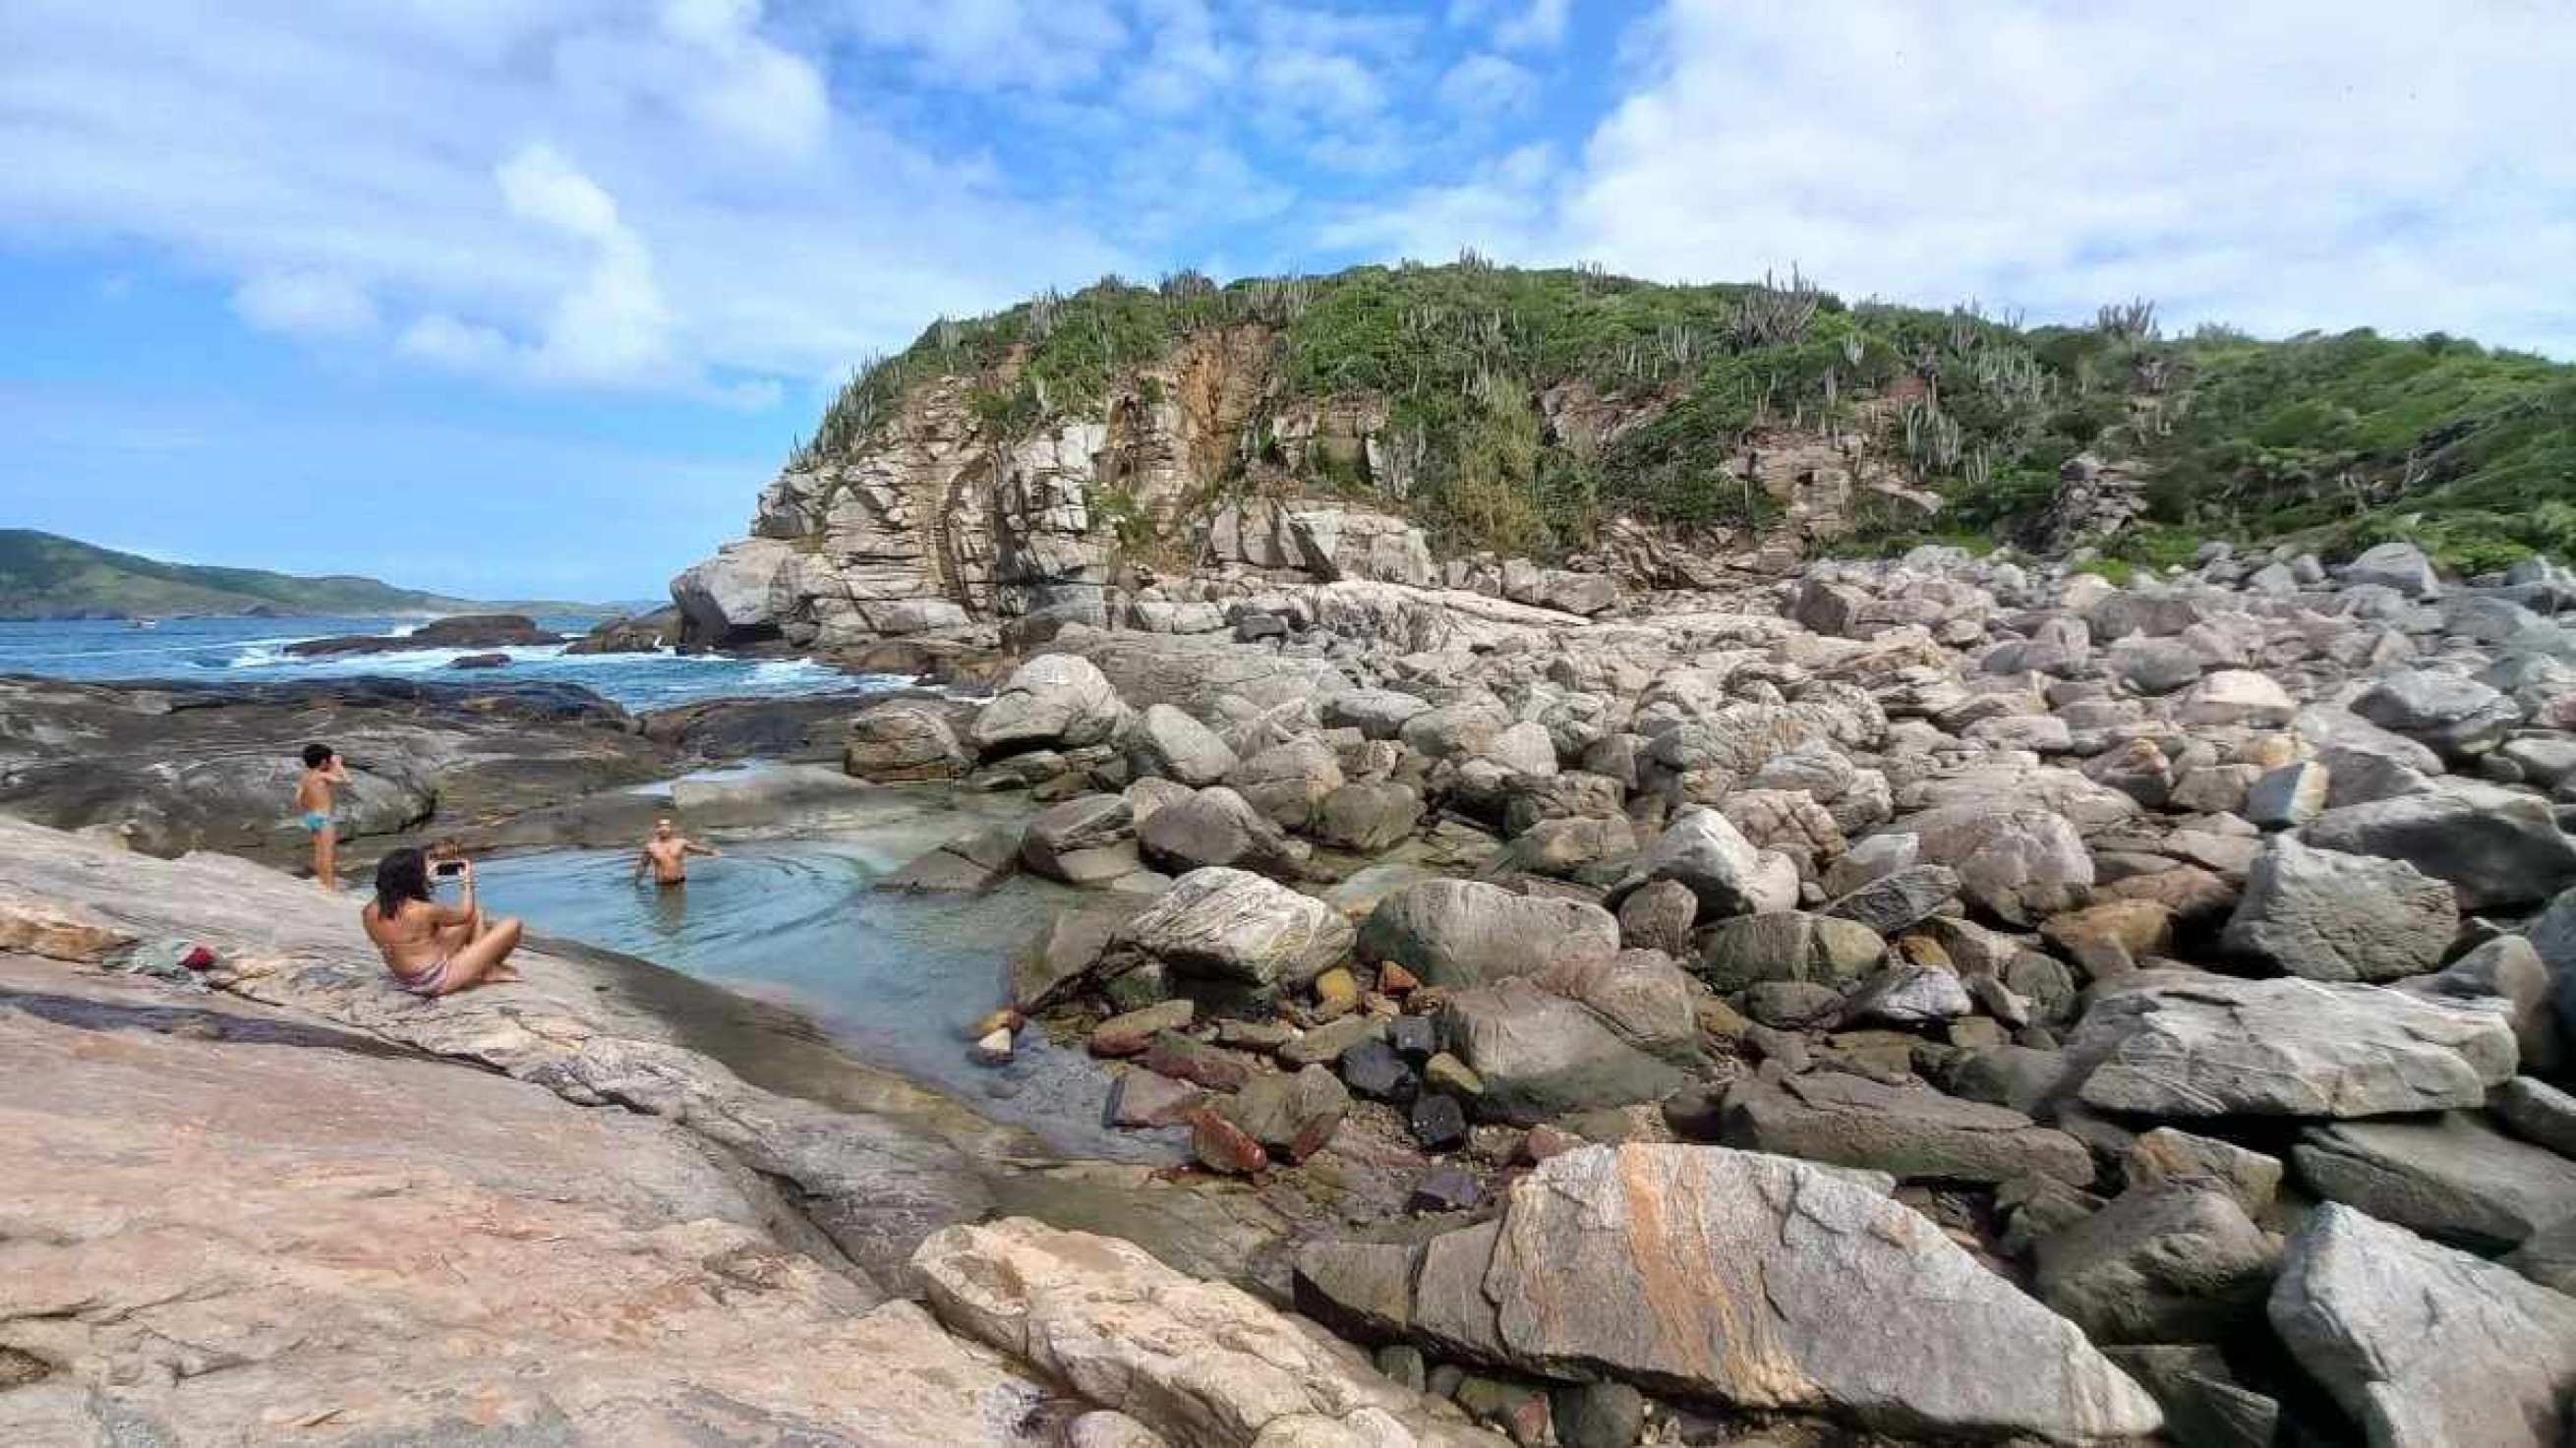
(1944,999)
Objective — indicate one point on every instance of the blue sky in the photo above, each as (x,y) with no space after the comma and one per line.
(513,297)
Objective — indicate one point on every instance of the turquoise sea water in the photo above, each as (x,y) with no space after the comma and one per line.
(253,650)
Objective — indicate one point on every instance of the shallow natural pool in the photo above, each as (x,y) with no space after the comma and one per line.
(897,978)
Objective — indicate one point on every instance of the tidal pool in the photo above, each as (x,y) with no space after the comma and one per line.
(897,978)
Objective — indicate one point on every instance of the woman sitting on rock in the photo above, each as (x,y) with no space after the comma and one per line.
(434,949)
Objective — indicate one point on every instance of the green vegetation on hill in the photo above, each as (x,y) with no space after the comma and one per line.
(44,575)
(2343,441)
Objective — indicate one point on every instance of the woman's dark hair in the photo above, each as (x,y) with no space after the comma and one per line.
(316,755)
(401,876)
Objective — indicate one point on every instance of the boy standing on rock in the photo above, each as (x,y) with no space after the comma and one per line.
(314,801)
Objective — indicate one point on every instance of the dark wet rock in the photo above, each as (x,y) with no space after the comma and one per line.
(1371,1067)
(1541,1055)
(2425,1346)
(1599,1415)
(2198,1046)
(2452,1178)
(1437,1121)
(2329,916)
(1553,1287)
(1793,1005)
(1894,901)
(1915,1133)
(2496,846)
(463,631)
(1467,933)
(2175,1264)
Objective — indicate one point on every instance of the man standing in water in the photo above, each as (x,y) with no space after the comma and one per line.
(667,855)
(314,803)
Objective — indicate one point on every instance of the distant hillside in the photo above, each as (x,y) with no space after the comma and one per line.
(46,576)
(1514,410)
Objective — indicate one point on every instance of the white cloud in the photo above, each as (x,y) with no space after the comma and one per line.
(1540,26)
(1486,84)
(306,304)
(612,324)
(1040,45)
(2303,163)
(450,342)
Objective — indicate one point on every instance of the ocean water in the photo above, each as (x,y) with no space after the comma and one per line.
(253,650)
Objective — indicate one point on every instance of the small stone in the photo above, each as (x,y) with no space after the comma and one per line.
(1414,1038)
(1005,1020)
(1445,1072)
(1141,1098)
(1439,1123)
(1447,1187)
(1221,1146)
(1130,1034)
(1395,980)
(1175,1055)
(1402,1364)
(1337,993)
(1374,1070)
(1326,1043)
(993,1048)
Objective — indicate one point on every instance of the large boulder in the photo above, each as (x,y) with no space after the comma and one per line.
(1908,1132)
(2401,566)
(1216,826)
(1787,945)
(1171,744)
(1541,1055)
(2178,1264)
(2020,865)
(1755,1281)
(1203,1364)
(1466,932)
(1367,816)
(1232,926)
(903,741)
(1054,701)
(1289,781)
(2190,1045)
(1376,713)
(2496,846)
(2330,916)
(729,598)
(1083,841)
(1703,850)
(2238,696)
(2454,715)
(2425,1346)
(2451,1177)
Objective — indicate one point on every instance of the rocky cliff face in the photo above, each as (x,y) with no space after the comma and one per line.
(1197,478)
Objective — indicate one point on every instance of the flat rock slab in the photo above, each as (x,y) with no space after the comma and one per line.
(232,1224)
(2453,1178)
(2426,1346)
(2179,1044)
(1913,1133)
(1754,1280)
(1202,1363)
